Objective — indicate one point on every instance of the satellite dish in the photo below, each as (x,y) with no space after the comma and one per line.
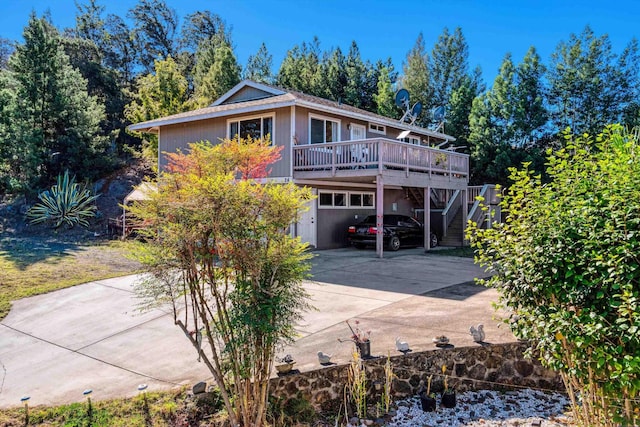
(415,111)
(402,98)
(438,114)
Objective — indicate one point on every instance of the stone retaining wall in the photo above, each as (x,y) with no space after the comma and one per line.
(498,366)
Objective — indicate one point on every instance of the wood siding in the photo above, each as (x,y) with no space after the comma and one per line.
(179,136)
(247,93)
(302,126)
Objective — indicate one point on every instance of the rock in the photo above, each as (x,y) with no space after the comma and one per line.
(199,388)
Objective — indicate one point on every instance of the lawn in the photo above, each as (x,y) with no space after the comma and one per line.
(151,409)
(32,266)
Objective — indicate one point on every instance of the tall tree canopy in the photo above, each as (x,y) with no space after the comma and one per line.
(159,94)
(589,85)
(56,123)
(259,66)
(449,65)
(416,78)
(155,29)
(506,123)
(216,71)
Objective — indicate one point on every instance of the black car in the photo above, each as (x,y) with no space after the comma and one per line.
(399,230)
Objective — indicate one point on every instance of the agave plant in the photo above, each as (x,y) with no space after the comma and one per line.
(67,202)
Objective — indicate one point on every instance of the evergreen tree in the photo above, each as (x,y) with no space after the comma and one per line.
(201,26)
(356,74)
(122,55)
(590,85)
(300,69)
(507,123)
(216,71)
(416,78)
(385,96)
(155,26)
(459,108)
(449,65)
(259,66)
(9,159)
(91,26)
(6,49)
(159,94)
(332,76)
(56,121)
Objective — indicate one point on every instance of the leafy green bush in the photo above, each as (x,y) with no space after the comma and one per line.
(67,202)
(566,263)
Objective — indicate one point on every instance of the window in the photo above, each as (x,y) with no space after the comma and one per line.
(322,130)
(376,128)
(412,140)
(256,127)
(341,199)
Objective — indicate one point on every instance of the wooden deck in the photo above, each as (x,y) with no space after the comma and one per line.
(399,162)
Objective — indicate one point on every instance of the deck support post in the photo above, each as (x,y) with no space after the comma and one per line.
(465,213)
(379,216)
(427,219)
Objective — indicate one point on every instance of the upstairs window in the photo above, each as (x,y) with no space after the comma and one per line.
(376,128)
(255,127)
(412,140)
(323,130)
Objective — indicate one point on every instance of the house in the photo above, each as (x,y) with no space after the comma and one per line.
(357,163)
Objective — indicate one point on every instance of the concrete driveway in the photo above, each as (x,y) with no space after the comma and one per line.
(54,346)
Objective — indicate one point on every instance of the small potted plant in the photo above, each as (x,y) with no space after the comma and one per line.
(448,398)
(286,364)
(428,399)
(361,339)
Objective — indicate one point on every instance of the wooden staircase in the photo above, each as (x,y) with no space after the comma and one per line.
(454,232)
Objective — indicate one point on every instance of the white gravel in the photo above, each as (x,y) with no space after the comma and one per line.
(488,408)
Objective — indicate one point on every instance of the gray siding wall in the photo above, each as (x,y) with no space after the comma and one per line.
(247,93)
(302,126)
(179,136)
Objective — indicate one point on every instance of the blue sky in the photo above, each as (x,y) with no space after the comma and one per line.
(381,28)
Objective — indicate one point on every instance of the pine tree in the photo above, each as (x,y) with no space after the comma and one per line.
(449,65)
(259,66)
(332,76)
(384,98)
(301,68)
(506,125)
(216,71)
(590,85)
(356,77)
(459,108)
(57,122)
(159,94)
(416,78)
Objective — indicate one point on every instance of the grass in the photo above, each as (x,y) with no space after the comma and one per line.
(152,409)
(33,266)
(465,252)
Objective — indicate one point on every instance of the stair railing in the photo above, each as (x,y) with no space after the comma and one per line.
(476,213)
(450,212)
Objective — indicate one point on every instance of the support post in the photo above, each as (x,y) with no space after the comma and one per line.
(427,219)
(465,213)
(379,216)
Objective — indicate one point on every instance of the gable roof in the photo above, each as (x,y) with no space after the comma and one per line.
(278,98)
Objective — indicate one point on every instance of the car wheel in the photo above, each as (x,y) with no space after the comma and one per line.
(358,245)
(394,243)
(434,240)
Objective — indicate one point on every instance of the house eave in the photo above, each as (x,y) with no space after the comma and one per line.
(147,126)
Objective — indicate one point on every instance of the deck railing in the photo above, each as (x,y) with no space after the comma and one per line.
(380,153)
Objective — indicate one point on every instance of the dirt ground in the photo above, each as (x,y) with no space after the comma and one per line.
(112,190)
